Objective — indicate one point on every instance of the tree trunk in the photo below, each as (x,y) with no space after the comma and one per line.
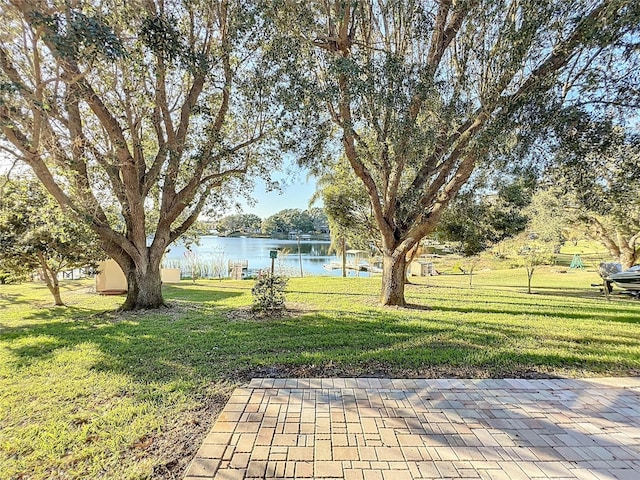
(344,257)
(529,276)
(627,258)
(55,291)
(300,256)
(51,279)
(54,288)
(144,290)
(626,262)
(144,285)
(393,279)
(619,245)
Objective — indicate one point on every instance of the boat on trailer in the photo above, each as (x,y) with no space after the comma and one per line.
(360,267)
(629,279)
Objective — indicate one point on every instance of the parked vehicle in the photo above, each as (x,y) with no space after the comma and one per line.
(629,279)
(612,274)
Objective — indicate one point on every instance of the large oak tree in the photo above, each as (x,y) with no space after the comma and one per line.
(420,92)
(133,113)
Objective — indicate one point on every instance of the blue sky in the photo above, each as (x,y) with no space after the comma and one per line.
(295,193)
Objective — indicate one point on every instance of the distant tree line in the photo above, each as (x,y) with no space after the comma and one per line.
(312,220)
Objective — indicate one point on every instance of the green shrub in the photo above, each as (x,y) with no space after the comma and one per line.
(268,293)
(14,276)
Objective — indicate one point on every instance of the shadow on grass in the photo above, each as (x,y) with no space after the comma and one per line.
(204,343)
(610,314)
(159,347)
(520,289)
(13,298)
(196,292)
(585,293)
(173,345)
(57,312)
(539,305)
(417,306)
(342,293)
(197,343)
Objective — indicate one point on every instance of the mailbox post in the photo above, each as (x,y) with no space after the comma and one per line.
(273,254)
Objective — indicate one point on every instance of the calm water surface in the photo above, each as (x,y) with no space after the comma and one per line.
(220,250)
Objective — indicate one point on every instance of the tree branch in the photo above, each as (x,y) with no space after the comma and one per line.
(190,220)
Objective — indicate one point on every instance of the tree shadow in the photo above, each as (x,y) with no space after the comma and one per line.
(558,428)
(488,303)
(412,306)
(162,346)
(197,292)
(13,298)
(55,313)
(330,293)
(611,315)
(197,344)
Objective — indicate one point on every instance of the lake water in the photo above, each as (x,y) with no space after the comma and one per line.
(214,253)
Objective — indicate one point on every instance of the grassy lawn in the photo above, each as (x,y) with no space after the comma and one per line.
(86,392)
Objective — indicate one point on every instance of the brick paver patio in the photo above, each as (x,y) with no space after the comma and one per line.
(386,429)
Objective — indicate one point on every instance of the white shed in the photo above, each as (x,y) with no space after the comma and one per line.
(110,278)
(421,269)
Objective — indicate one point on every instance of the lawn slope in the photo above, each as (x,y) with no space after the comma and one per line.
(87,392)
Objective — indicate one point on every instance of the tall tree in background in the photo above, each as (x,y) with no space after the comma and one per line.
(598,165)
(552,214)
(348,209)
(346,204)
(288,220)
(240,222)
(132,113)
(477,222)
(421,91)
(36,234)
(319,218)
